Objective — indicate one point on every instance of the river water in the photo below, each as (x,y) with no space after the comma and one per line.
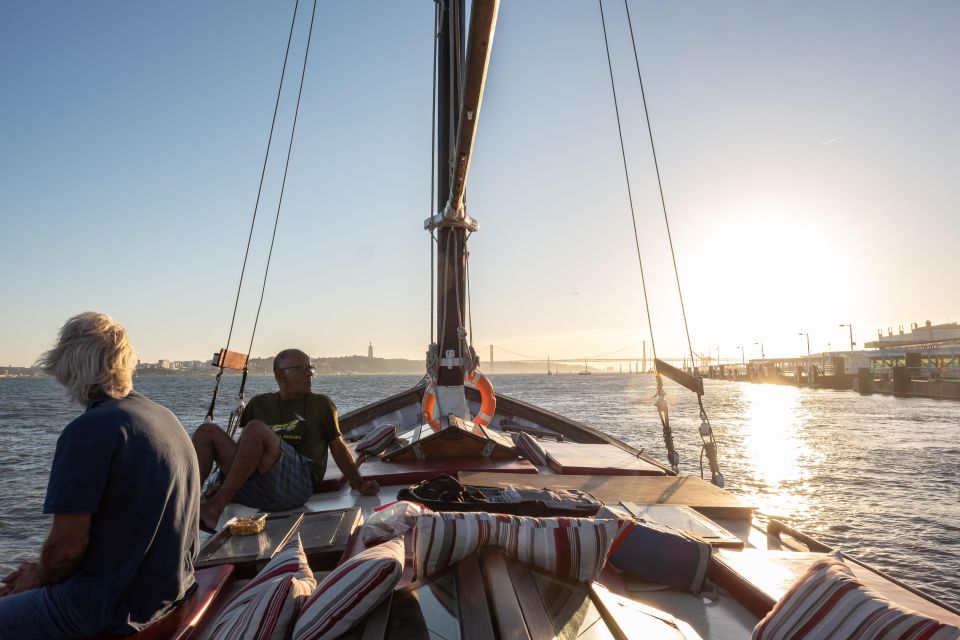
(875,476)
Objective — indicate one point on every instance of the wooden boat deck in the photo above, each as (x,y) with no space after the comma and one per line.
(679,490)
(618,474)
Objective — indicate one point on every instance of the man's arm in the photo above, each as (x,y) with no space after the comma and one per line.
(344,459)
(64,549)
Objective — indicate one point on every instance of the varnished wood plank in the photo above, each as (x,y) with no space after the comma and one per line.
(538,620)
(475,619)
(506,607)
(375,626)
(416,470)
(684,490)
(575,458)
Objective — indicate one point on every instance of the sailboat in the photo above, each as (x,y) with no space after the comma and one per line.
(454,423)
(586,371)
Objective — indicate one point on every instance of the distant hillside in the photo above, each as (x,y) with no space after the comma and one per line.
(354,365)
(363,364)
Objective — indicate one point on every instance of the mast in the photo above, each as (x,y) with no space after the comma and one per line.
(461,74)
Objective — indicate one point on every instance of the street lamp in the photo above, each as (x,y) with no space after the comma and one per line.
(743,358)
(804,333)
(763,356)
(850,326)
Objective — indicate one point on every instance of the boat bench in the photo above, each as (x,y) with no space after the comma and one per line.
(490,595)
(413,471)
(597,459)
(758,578)
(182,622)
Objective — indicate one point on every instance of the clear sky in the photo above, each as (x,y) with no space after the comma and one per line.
(810,156)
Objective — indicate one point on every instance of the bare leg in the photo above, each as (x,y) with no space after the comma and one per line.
(257,450)
(212,445)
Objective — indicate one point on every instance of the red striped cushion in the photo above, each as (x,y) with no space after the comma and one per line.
(445,538)
(828,602)
(574,548)
(265,607)
(351,591)
(377,439)
(529,448)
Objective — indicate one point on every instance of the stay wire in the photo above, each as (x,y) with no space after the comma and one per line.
(709,447)
(433,161)
(253,221)
(626,173)
(656,166)
(286,167)
(263,171)
(466,260)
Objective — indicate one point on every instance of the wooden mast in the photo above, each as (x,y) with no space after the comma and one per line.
(460,82)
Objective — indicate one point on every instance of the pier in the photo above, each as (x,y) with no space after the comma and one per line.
(923,371)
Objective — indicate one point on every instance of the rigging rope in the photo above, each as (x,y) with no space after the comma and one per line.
(661,403)
(283,183)
(474,358)
(626,173)
(709,445)
(433,157)
(256,207)
(656,166)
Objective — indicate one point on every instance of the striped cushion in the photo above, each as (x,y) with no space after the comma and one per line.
(529,448)
(574,548)
(445,538)
(351,591)
(829,602)
(378,439)
(266,606)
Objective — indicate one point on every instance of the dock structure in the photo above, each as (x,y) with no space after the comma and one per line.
(916,369)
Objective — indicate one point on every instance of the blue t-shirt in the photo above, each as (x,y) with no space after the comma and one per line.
(129,463)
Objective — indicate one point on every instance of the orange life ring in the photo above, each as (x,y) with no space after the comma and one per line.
(488,401)
(429,403)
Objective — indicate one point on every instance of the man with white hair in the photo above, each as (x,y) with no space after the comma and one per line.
(281,456)
(124,491)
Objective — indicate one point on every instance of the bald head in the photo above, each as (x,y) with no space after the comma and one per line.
(281,359)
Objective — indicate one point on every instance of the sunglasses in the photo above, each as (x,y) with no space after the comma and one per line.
(306,369)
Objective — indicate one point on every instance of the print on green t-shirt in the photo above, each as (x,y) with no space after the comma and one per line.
(308,424)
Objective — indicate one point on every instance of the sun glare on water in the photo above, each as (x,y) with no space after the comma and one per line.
(774,442)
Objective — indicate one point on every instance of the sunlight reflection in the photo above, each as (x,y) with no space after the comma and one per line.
(773,442)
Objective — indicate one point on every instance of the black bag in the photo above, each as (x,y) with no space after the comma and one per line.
(445,493)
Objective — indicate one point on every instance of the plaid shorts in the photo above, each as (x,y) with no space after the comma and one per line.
(286,486)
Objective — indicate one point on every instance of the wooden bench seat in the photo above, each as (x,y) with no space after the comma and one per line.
(410,472)
(181,623)
(758,578)
(598,459)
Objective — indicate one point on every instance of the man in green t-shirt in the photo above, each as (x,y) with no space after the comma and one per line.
(281,456)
